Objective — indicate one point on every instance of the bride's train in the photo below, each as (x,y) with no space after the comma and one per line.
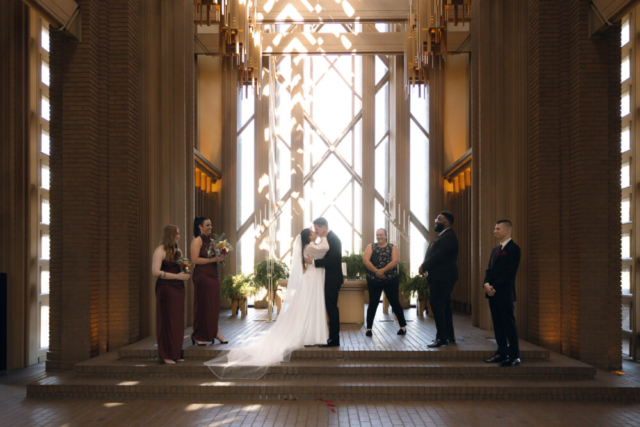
(302,321)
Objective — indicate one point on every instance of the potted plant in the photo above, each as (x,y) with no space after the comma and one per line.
(236,289)
(261,277)
(355,265)
(416,285)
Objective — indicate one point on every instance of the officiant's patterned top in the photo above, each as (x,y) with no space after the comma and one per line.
(380,258)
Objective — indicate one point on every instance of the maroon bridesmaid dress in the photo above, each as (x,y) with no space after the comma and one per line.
(170,313)
(206,304)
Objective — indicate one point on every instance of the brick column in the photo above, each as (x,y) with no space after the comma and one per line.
(574,151)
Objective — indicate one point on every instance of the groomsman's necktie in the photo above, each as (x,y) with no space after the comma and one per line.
(499,251)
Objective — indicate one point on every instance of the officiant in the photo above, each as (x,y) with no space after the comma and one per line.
(381,261)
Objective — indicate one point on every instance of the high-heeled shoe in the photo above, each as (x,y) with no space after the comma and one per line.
(198,343)
(221,342)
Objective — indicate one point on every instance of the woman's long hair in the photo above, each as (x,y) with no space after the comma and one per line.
(305,240)
(197,222)
(171,251)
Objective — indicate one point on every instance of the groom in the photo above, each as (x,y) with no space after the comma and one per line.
(333,279)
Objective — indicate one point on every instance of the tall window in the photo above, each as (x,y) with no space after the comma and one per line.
(43,117)
(627,180)
(245,179)
(319,121)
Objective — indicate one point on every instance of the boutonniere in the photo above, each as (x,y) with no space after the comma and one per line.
(503,253)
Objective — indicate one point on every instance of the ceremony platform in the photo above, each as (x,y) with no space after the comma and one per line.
(386,366)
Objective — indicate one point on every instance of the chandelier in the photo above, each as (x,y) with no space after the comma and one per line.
(426,36)
(425,32)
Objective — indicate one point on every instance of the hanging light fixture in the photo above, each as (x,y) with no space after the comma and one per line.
(240,35)
(426,36)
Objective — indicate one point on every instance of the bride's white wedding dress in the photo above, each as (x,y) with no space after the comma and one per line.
(302,321)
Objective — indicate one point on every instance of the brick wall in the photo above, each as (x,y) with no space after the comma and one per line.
(574,203)
(94,184)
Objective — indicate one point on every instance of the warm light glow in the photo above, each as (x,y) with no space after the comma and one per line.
(113,404)
(129,383)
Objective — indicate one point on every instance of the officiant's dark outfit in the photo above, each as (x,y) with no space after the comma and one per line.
(333,279)
(441,264)
(501,275)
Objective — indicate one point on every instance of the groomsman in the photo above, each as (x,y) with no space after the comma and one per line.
(500,289)
(440,265)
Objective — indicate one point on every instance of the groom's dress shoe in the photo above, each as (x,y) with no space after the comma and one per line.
(331,343)
(510,362)
(496,358)
(438,343)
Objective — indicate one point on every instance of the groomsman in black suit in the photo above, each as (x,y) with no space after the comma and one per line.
(500,288)
(440,265)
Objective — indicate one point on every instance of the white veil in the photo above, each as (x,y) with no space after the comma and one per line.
(274,346)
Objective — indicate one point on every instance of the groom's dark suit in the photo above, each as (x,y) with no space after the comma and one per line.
(333,279)
(501,274)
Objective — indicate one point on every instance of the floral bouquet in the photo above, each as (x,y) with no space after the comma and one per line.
(218,246)
(185,265)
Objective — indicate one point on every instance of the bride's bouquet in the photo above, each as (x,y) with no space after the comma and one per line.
(218,246)
(185,265)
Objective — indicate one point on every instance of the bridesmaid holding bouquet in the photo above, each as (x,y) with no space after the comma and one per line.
(206,285)
(169,296)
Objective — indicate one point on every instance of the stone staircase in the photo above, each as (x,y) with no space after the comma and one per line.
(349,373)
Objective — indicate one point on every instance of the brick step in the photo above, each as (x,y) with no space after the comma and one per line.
(331,388)
(451,353)
(556,369)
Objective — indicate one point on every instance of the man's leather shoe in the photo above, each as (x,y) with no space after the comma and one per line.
(331,343)
(510,362)
(496,358)
(438,343)
(453,341)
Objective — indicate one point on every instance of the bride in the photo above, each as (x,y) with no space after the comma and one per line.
(302,320)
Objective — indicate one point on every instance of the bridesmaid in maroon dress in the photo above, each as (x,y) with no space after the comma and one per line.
(206,285)
(169,296)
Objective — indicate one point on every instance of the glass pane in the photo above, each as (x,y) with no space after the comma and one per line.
(44,326)
(45,177)
(382,112)
(45,212)
(625,104)
(44,73)
(625,347)
(45,248)
(419,98)
(246,253)
(44,282)
(418,249)
(625,316)
(625,178)
(625,33)
(381,69)
(246,105)
(626,245)
(419,174)
(382,167)
(45,143)
(380,220)
(246,172)
(44,38)
(625,69)
(625,282)
(625,140)
(625,208)
(45,112)
(382,27)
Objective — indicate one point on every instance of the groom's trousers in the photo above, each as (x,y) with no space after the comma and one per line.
(331,304)
(440,298)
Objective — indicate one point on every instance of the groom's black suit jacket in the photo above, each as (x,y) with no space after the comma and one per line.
(502,271)
(332,262)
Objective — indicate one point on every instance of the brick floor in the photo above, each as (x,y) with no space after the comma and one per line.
(19,410)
